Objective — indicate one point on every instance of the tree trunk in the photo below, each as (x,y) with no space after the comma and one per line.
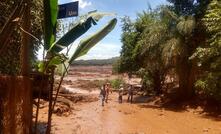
(157,83)
(186,76)
(16,105)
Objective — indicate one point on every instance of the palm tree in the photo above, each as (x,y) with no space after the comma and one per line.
(179,47)
(152,38)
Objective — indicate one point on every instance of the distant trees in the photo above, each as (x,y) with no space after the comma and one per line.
(182,38)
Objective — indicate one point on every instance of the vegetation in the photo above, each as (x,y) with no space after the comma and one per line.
(208,56)
(96,62)
(25,24)
(10,50)
(179,41)
(116,83)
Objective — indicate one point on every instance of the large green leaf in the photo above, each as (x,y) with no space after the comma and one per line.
(86,44)
(53,62)
(98,15)
(79,29)
(62,69)
(50,20)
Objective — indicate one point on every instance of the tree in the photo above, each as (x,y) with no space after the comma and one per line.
(148,52)
(128,38)
(208,56)
(188,33)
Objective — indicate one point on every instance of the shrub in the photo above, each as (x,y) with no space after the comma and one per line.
(115,83)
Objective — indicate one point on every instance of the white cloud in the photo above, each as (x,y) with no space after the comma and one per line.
(83,3)
(100,51)
(103,51)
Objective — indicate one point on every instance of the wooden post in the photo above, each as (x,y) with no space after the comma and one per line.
(16,102)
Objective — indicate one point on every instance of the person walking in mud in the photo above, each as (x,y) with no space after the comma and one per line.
(108,91)
(120,98)
(130,94)
(103,94)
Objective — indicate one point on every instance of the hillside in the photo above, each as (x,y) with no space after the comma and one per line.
(96,62)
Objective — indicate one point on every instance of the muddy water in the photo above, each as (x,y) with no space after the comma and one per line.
(80,91)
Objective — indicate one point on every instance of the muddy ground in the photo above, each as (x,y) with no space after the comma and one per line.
(80,112)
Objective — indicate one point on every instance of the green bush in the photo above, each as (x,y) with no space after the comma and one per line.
(146,82)
(115,83)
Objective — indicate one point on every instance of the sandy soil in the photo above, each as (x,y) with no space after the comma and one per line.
(141,117)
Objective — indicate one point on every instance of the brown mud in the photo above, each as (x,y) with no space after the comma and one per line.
(144,116)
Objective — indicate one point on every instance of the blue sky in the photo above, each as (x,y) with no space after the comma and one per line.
(110,46)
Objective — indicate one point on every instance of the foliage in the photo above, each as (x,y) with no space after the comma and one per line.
(86,44)
(147,81)
(62,64)
(163,40)
(209,55)
(116,66)
(95,62)
(50,21)
(116,83)
(128,38)
(150,50)
(142,53)
(36,29)
(10,57)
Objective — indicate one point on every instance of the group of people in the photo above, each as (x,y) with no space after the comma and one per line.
(129,92)
(106,90)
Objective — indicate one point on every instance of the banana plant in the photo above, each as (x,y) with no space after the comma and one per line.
(86,44)
(81,27)
(54,57)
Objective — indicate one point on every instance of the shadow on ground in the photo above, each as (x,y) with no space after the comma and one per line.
(41,127)
(205,108)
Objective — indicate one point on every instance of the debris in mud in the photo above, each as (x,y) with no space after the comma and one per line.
(205,130)
(67,82)
(79,97)
(62,110)
(63,90)
(88,84)
(64,105)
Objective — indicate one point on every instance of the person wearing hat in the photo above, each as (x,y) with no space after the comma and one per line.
(120,98)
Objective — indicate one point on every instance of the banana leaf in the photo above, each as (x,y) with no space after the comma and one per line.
(72,35)
(79,29)
(54,62)
(97,16)
(86,44)
(50,20)
(62,69)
